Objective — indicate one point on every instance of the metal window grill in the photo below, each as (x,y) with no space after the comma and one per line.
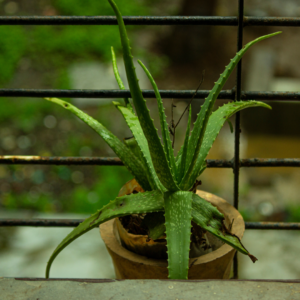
(235,94)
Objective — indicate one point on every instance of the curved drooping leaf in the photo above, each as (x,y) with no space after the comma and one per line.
(135,127)
(215,123)
(178,218)
(131,162)
(202,119)
(163,122)
(158,154)
(151,201)
(182,165)
(209,218)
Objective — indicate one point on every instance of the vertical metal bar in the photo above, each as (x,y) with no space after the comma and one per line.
(237,98)
(236,167)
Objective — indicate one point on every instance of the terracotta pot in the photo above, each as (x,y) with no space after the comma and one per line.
(214,265)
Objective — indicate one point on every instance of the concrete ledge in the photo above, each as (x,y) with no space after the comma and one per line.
(88,289)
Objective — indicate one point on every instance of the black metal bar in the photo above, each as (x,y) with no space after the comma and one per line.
(254,162)
(40,222)
(115,161)
(103,93)
(148,20)
(176,94)
(59,160)
(270,96)
(270,162)
(236,158)
(272,225)
(76,222)
(271,21)
(111,20)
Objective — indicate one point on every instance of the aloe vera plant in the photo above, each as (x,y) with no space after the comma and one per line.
(167,179)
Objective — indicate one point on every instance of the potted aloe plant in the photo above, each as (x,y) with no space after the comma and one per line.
(168,181)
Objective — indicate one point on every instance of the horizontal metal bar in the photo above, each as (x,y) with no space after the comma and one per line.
(59,160)
(111,20)
(270,96)
(272,225)
(115,161)
(176,94)
(272,21)
(148,20)
(76,222)
(270,162)
(254,162)
(40,222)
(106,93)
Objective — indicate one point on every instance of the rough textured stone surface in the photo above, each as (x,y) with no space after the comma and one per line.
(11,289)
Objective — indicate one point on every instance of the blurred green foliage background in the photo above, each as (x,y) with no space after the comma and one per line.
(39,57)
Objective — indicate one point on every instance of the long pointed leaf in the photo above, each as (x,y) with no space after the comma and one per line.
(202,119)
(185,148)
(135,203)
(128,158)
(178,154)
(178,230)
(132,144)
(163,122)
(116,71)
(215,123)
(158,154)
(118,77)
(135,127)
(178,160)
(209,218)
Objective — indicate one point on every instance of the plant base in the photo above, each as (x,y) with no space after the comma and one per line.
(214,265)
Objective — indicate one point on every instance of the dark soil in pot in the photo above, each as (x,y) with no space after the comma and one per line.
(202,242)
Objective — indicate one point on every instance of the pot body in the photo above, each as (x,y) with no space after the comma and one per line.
(214,265)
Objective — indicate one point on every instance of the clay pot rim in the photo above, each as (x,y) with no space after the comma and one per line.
(107,233)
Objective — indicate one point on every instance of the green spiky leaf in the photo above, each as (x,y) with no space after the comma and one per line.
(132,144)
(128,158)
(163,121)
(135,127)
(178,217)
(135,203)
(158,154)
(209,218)
(116,71)
(215,123)
(230,126)
(182,165)
(202,119)
(118,77)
